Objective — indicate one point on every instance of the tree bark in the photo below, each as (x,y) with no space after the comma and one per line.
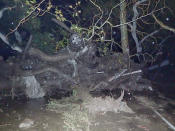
(123,28)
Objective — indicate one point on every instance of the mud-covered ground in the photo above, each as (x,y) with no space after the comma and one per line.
(89,72)
(12,114)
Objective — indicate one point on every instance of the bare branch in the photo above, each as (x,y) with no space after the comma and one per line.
(131,73)
(163,25)
(4,9)
(105,22)
(74,63)
(27,46)
(23,20)
(116,76)
(149,35)
(139,17)
(63,25)
(5,40)
(100,85)
(165,120)
(134,26)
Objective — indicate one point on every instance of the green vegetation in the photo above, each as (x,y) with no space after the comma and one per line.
(83,17)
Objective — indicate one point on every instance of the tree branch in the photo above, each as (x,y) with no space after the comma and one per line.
(23,20)
(147,36)
(163,25)
(5,40)
(45,57)
(62,25)
(134,26)
(49,69)
(27,46)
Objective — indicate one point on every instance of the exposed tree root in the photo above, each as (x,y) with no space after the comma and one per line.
(45,57)
(50,69)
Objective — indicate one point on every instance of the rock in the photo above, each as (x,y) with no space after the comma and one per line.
(27,123)
(33,89)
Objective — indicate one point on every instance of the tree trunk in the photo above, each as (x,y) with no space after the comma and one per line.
(123,28)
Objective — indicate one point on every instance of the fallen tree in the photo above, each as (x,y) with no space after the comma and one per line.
(67,70)
(77,64)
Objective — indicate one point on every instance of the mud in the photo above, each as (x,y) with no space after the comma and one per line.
(144,119)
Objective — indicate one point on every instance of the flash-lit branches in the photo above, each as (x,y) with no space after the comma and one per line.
(48,7)
(149,35)
(4,9)
(163,25)
(62,25)
(143,16)
(107,21)
(26,18)
(144,11)
(95,26)
(134,26)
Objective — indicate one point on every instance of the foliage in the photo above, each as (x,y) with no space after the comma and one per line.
(21,8)
(76,28)
(44,41)
(59,15)
(30,2)
(35,25)
(76,120)
(62,43)
(103,48)
(82,17)
(47,42)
